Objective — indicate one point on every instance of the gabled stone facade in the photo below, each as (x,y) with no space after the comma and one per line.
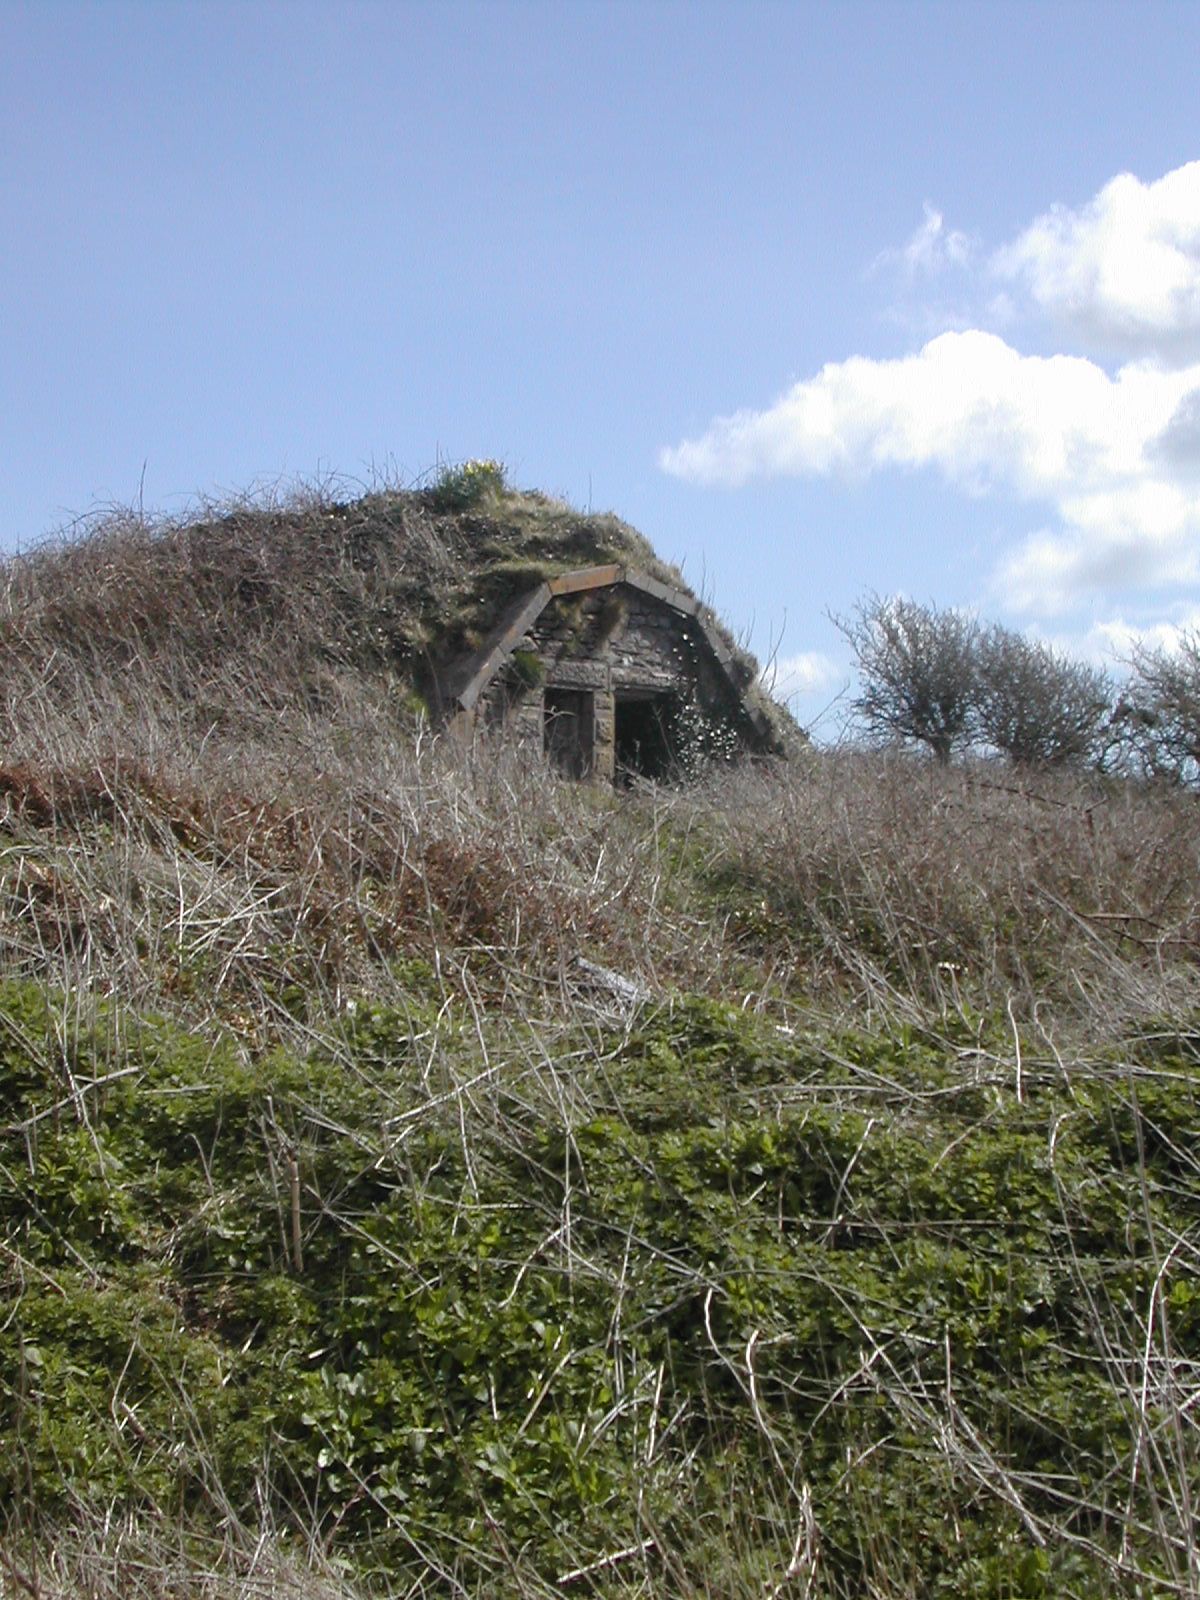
(607,671)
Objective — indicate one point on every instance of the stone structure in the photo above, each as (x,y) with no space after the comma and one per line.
(609,672)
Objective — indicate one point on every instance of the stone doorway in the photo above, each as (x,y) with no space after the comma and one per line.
(569,730)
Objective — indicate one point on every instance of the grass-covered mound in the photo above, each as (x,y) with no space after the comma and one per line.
(277,600)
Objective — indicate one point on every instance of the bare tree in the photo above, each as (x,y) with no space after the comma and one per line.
(1039,707)
(1160,713)
(918,667)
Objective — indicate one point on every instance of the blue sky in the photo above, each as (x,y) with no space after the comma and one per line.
(824,298)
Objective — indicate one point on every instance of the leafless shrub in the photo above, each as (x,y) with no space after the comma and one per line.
(918,668)
(1036,706)
(937,678)
(1160,713)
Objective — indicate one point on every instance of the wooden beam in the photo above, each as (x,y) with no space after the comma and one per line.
(585,578)
(499,645)
(677,599)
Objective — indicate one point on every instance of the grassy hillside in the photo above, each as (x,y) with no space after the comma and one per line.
(423,1176)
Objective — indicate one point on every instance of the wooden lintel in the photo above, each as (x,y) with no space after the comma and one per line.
(585,578)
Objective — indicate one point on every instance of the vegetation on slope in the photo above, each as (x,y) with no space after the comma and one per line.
(423,1176)
(278,600)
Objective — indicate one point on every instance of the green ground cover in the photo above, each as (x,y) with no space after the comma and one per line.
(861,1307)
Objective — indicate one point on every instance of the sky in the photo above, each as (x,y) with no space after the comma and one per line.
(879,296)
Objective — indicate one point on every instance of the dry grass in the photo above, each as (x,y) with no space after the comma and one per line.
(123,1558)
(932,892)
(347,836)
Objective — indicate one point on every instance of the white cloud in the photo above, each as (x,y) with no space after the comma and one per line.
(1116,537)
(809,672)
(1125,268)
(1106,454)
(931,248)
(967,403)
(1106,461)
(1116,639)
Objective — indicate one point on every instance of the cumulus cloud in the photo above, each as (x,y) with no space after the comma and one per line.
(1106,462)
(1124,269)
(967,403)
(1115,537)
(1178,445)
(1112,641)
(1099,451)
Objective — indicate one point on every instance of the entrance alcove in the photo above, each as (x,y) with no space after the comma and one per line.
(644,733)
(600,669)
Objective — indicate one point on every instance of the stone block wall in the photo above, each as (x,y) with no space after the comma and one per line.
(605,641)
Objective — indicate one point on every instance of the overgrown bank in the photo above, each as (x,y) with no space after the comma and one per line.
(423,1176)
(846,1247)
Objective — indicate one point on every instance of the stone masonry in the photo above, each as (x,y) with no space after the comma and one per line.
(606,642)
(581,645)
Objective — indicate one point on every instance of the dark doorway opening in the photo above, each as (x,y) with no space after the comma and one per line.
(569,734)
(645,734)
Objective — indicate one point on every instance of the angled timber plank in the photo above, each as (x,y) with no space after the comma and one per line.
(504,638)
(677,599)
